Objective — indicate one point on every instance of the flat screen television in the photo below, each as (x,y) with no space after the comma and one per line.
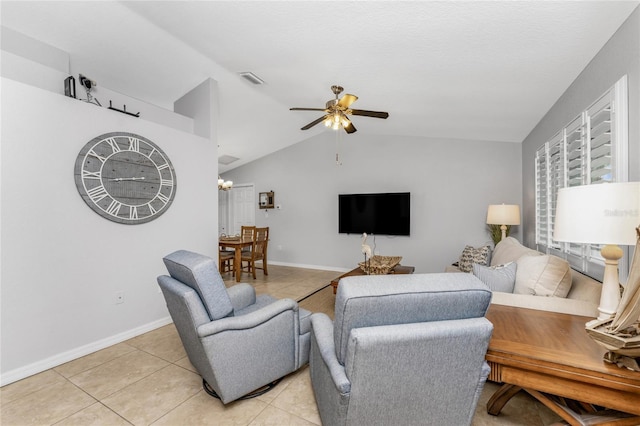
(380,214)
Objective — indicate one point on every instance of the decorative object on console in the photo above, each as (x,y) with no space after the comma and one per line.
(88,85)
(125,178)
(224,185)
(365,249)
(123,110)
(70,87)
(608,214)
(471,255)
(266,200)
(504,215)
(336,111)
(380,265)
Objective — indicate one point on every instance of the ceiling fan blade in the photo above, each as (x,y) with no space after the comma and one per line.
(350,128)
(307,109)
(314,122)
(347,100)
(376,114)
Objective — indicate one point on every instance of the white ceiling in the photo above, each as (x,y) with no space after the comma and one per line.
(480,70)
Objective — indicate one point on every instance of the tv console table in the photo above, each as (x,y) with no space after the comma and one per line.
(551,357)
(398,269)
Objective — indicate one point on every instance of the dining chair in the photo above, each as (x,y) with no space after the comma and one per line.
(258,252)
(248,233)
(225,260)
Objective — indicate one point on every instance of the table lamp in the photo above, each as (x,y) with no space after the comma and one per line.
(608,214)
(503,215)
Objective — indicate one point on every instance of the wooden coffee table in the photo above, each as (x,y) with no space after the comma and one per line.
(398,269)
(551,357)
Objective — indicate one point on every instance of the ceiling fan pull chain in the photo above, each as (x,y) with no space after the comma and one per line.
(338,136)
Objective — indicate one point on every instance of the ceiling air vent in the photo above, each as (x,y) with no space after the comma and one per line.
(251,77)
(227,159)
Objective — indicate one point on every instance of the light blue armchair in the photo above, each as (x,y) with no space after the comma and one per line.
(403,350)
(239,343)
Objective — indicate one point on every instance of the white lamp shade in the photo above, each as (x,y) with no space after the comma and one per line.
(503,214)
(605,213)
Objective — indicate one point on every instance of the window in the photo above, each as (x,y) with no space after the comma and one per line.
(590,150)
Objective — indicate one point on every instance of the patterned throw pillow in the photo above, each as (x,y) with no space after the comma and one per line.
(471,255)
(498,278)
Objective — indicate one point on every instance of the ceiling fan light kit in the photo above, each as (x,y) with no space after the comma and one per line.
(224,185)
(337,111)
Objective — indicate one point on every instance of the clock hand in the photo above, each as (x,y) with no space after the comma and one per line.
(123,179)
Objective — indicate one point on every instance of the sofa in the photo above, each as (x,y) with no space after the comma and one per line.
(538,281)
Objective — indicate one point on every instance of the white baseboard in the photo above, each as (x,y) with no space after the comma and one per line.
(319,267)
(59,359)
(54,361)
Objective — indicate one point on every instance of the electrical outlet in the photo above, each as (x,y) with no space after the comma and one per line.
(119,297)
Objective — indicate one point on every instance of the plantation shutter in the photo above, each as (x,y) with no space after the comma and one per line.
(542,197)
(557,180)
(599,120)
(590,150)
(599,117)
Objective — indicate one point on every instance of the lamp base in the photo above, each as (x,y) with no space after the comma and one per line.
(610,296)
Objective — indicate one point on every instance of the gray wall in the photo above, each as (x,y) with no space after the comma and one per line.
(620,56)
(451,183)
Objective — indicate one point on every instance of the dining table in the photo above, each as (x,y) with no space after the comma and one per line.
(237,243)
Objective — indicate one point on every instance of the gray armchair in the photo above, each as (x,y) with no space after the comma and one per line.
(239,343)
(403,349)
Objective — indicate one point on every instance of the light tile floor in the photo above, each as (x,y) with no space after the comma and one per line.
(148,380)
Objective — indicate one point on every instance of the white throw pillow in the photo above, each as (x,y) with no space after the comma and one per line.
(543,275)
(499,278)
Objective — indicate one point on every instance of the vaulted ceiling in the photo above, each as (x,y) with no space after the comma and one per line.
(479,70)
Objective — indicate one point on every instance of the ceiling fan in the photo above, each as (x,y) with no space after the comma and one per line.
(337,110)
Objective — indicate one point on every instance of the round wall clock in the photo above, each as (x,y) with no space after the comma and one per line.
(125,178)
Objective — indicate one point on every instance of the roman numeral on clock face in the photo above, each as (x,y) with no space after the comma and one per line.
(162,198)
(98,193)
(113,144)
(93,154)
(90,175)
(114,208)
(134,144)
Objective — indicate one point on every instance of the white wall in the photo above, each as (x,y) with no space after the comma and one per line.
(62,264)
(201,104)
(618,57)
(451,183)
(41,65)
